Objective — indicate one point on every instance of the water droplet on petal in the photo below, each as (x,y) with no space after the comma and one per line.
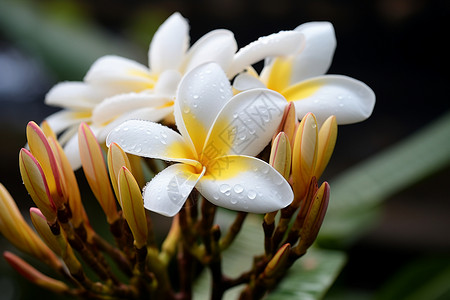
(251,194)
(238,188)
(224,188)
(233,200)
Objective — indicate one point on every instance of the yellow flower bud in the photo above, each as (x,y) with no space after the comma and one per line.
(33,275)
(133,207)
(95,171)
(280,155)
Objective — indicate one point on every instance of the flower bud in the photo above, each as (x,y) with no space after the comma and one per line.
(278,262)
(36,183)
(117,159)
(280,155)
(304,156)
(326,143)
(19,233)
(43,153)
(133,206)
(33,275)
(95,171)
(314,218)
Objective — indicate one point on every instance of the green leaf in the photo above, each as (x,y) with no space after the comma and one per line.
(309,278)
(362,188)
(427,278)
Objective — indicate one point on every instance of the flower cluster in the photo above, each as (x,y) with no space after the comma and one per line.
(207,131)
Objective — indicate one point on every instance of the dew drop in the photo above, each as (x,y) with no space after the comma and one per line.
(186,109)
(225,188)
(251,194)
(238,188)
(138,149)
(125,129)
(195,96)
(314,125)
(215,196)
(163,142)
(233,200)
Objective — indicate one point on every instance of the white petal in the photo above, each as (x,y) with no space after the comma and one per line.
(277,44)
(166,192)
(74,95)
(247,123)
(120,74)
(201,95)
(350,100)
(169,44)
(245,184)
(317,55)
(73,152)
(167,83)
(147,114)
(149,139)
(216,46)
(115,106)
(63,119)
(245,81)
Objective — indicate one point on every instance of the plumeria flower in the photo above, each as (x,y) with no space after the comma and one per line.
(300,78)
(219,135)
(116,89)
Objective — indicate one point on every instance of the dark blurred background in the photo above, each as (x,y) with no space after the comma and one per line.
(398,47)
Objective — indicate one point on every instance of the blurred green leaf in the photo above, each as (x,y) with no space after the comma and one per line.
(427,278)
(67,47)
(309,278)
(356,193)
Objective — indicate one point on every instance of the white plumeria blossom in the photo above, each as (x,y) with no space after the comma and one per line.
(116,89)
(219,135)
(300,78)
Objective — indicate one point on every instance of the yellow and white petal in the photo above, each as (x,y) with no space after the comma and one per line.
(74,95)
(317,55)
(149,139)
(146,114)
(120,74)
(64,119)
(277,44)
(246,124)
(246,81)
(73,152)
(167,191)
(169,44)
(167,83)
(217,46)
(245,183)
(201,95)
(112,107)
(350,100)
